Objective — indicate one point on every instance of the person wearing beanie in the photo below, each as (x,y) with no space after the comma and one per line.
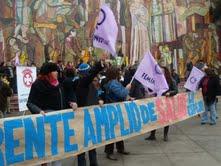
(84,68)
(86,77)
(47,95)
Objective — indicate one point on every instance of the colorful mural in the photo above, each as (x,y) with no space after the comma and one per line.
(175,30)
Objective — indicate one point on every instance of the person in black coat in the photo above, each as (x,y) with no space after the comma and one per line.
(211,89)
(5,92)
(46,94)
(69,86)
(173,90)
(137,90)
(86,77)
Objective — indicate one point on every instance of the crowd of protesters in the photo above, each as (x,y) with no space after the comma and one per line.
(59,87)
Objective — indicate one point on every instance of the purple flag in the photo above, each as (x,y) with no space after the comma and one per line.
(106,31)
(150,75)
(194,79)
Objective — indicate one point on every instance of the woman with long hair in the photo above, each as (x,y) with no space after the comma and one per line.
(114,92)
(171,92)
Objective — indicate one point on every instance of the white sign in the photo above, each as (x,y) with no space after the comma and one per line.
(194,79)
(25,78)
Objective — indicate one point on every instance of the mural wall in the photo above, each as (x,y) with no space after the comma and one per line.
(176,31)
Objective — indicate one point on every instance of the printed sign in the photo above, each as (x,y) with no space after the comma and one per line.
(25,78)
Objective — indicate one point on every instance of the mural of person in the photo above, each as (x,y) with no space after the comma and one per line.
(15,52)
(168,21)
(141,23)
(166,58)
(140,40)
(156,21)
(194,45)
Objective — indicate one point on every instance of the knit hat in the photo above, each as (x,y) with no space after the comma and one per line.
(84,68)
(48,68)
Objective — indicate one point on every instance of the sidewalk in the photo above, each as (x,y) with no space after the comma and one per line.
(190,144)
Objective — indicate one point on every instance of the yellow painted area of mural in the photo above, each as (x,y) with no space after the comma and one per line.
(45,25)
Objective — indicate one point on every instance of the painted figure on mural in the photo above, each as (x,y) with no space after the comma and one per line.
(156,21)
(22,34)
(193,45)
(140,34)
(165,56)
(15,52)
(93,12)
(20,42)
(212,43)
(169,32)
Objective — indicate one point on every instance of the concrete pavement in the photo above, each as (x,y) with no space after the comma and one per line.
(190,144)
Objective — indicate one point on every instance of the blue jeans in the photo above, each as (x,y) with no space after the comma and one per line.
(212,109)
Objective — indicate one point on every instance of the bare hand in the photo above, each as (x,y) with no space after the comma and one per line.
(73,105)
(128,87)
(101,103)
(167,94)
(131,98)
(42,113)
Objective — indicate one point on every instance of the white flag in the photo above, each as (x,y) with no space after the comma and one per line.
(194,79)
(105,35)
(150,75)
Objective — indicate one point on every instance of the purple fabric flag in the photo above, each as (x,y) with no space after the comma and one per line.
(150,75)
(194,79)
(106,31)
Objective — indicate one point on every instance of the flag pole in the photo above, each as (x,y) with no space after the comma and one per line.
(132,79)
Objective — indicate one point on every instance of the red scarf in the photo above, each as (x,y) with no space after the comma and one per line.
(54,82)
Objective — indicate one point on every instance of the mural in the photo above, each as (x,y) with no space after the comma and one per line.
(176,31)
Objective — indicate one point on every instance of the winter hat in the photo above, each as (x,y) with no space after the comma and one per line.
(48,68)
(84,68)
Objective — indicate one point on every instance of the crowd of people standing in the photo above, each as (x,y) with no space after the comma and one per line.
(58,87)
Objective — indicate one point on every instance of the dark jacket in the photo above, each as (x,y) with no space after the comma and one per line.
(173,89)
(210,88)
(69,87)
(115,92)
(5,91)
(176,78)
(44,96)
(137,90)
(94,95)
(83,83)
